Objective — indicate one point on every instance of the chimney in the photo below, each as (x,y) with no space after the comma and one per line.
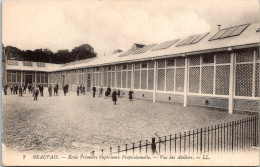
(219,27)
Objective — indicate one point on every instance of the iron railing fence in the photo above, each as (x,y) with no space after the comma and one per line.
(222,138)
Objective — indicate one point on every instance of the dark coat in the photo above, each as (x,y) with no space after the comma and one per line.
(130,94)
(94,89)
(114,98)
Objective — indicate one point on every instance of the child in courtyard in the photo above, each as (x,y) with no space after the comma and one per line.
(106,95)
(100,91)
(35,93)
(118,93)
(114,98)
(130,95)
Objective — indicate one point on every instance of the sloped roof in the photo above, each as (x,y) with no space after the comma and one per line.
(20,67)
(247,37)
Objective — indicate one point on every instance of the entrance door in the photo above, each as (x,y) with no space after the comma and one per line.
(89,83)
(28,79)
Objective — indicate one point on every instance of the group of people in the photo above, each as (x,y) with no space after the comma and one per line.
(35,90)
(114,95)
(81,89)
(55,90)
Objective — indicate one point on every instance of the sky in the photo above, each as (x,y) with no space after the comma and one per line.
(109,25)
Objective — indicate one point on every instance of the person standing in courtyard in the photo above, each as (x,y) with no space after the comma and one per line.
(94,89)
(40,89)
(109,90)
(57,86)
(130,93)
(35,93)
(106,94)
(65,89)
(20,90)
(55,90)
(118,92)
(16,89)
(12,89)
(5,89)
(50,90)
(24,88)
(114,98)
(78,89)
(83,89)
(100,91)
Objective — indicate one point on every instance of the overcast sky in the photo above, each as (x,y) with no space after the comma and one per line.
(109,25)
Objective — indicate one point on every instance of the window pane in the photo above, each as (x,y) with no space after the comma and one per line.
(194,79)
(222,80)
(161,79)
(170,80)
(207,80)
(244,74)
(180,79)
(143,79)
(150,79)
(137,80)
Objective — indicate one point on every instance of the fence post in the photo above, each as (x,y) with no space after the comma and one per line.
(255,131)
(232,136)
(118,150)
(153,146)
(140,146)
(201,131)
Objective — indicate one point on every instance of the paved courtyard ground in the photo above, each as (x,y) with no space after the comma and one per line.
(83,123)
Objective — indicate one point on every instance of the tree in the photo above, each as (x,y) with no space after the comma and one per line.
(83,51)
(62,56)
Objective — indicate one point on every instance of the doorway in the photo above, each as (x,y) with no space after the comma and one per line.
(28,79)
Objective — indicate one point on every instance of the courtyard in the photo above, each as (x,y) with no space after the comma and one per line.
(83,123)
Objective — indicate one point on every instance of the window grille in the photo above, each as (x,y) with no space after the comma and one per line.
(180,62)
(144,79)
(12,62)
(150,64)
(124,67)
(207,80)
(161,64)
(161,79)
(42,78)
(137,80)
(118,79)
(244,74)
(144,64)
(180,72)
(170,62)
(129,66)
(124,79)
(129,79)
(257,80)
(137,66)
(207,59)
(113,79)
(40,64)
(105,79)
(244,55)
(222,80)
(150,79)
(170,80)
(27,63)
(222,58)
(108,78)
(194,60)
(194,79)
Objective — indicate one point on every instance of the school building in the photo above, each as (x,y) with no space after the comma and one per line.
(215,69)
